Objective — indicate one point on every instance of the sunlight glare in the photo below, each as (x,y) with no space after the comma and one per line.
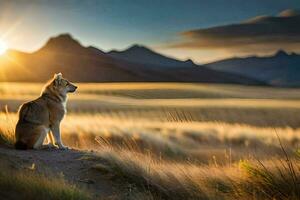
(3,47)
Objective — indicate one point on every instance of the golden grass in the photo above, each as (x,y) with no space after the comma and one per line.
(184,160)
(182,141)
(7,124)
(173,102)
(156,90)
(28,185)
(193,140)
(162,179)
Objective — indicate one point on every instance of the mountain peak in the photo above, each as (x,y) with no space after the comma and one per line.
(294,54)
(65,36)
(62,42)
(144,55)
(281,53)
(137,47)
(95,50)
(189,62)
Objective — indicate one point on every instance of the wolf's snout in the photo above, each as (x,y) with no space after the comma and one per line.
(74,88)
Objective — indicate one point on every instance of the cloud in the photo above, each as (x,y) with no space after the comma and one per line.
(262,34)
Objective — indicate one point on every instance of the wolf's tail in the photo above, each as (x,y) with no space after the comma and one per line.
(20,145)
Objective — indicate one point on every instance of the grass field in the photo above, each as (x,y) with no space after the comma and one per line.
(174,141)
(28,185)
(174,102)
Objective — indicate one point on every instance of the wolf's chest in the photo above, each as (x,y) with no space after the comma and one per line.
(64,104)
(57,112)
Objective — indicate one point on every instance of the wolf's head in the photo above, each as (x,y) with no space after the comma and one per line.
(62,85)
(58,87)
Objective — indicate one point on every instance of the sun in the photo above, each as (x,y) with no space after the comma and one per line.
(3,47)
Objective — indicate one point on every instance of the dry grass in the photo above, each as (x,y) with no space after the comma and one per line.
(174,102)
(28,185)
(7,124)
(275,178)
(182,141)
(194,141)
(191,161)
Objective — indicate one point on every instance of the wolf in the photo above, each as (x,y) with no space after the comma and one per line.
(43,115)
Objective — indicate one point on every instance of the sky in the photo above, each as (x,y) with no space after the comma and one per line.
(180,29)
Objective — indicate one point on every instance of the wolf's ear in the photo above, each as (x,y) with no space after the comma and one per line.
(57,79)
(58,76)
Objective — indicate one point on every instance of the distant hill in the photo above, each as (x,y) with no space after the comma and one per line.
(89,64)
(280,69)
(143,55)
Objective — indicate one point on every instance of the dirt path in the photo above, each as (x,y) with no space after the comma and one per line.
(66,163)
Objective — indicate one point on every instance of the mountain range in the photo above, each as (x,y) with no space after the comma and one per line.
(280,69)
(143,55)
(138,63)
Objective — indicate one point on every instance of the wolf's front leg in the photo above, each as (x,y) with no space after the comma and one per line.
(55,129)
(50,143)
(42,132)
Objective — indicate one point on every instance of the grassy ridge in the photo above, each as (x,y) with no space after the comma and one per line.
(162,165)
(275,178)
(27,185)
